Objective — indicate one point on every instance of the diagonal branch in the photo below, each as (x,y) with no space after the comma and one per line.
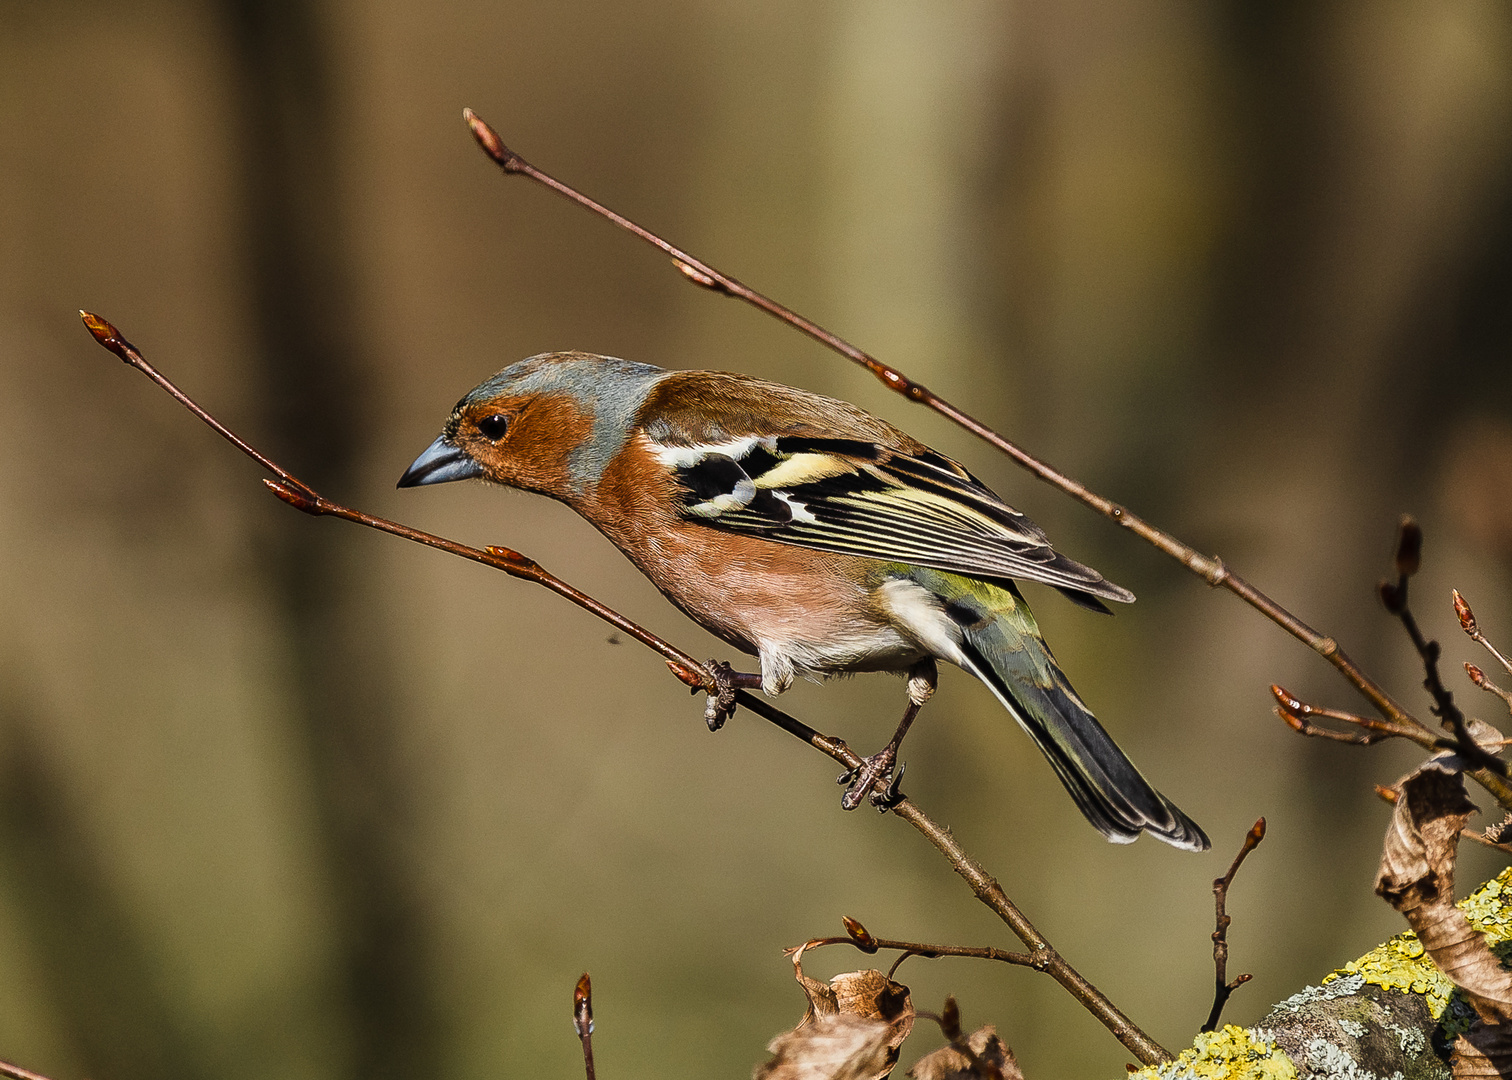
(302,497)
(1209,568)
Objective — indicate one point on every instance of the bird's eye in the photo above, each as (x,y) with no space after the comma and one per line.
(493,427)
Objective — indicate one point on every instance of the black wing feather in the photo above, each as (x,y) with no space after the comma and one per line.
(861,498)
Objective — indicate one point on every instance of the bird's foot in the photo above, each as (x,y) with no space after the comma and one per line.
(874,777)
(720,705)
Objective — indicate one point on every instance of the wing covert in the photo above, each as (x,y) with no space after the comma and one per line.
(862,498)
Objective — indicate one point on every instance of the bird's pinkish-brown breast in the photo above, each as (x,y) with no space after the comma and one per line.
(747,590)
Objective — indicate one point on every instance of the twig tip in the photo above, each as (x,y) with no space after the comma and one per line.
(106,334)
(859,934)
(1465,615)
(582,1006)
(488,139)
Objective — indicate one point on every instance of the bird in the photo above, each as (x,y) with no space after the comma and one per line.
(813,535)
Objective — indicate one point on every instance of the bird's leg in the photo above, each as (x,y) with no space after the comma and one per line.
(874,777)
(720,705)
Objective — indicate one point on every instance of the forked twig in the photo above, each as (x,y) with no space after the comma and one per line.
(1222,988)
(1298,715)
(1394,596)
(1211,569)
(302,497)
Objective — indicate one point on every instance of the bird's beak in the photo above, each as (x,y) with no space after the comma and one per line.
(441,462)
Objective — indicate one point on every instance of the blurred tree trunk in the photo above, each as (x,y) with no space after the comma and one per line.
(286,112)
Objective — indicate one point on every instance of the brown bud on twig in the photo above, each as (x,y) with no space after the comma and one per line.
(104,333)
(1466,616)
(859,934)
(1409,551)
(582,1006)
(950,1020)
(489,140)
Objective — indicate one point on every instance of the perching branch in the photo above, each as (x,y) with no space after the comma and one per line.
(16,1072)
(1211,569)
(1222,988)
(302,497)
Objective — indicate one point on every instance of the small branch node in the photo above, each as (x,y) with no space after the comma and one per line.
(699,277)
(297,496)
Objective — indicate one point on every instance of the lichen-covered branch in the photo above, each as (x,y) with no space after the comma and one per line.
(1390,1013)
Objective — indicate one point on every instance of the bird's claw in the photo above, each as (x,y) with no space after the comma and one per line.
(720,704)
(875,778)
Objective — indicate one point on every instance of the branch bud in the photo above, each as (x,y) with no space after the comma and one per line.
(1409,552)
(1466,616)
(859,934)
(950,1020)
(582,1007)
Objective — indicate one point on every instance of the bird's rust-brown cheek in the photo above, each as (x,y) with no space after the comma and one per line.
(535,454)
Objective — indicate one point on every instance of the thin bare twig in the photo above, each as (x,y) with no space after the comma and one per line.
(1211,569)
(1478,677)
(1472,628)
(582,1020)
(858,937)
(692,673)
(1221,987)
(1394,596)
(1298,716)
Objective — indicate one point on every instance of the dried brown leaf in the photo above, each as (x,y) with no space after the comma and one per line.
(841,1046)
(867,993)
(1417,878)
(994,1060)
(1485,1051)
(1501,831)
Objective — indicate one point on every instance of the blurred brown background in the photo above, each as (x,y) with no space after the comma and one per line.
(283,797)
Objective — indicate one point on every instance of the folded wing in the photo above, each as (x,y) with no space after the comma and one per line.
(863,498)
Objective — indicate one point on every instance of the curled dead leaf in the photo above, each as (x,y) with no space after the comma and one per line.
(1417,878)
(1485,1051)
(993,1060)
(867,995)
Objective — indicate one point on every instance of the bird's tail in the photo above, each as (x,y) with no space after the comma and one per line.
(1002,646)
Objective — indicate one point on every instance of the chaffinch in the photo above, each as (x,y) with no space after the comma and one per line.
(811,534)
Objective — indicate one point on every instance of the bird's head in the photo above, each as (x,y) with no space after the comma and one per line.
(548,424)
